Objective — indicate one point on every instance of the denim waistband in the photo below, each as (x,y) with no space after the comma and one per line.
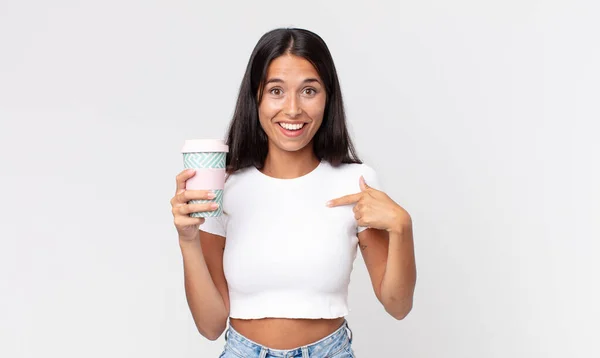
(329,345)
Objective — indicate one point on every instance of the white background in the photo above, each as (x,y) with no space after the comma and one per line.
(481,118)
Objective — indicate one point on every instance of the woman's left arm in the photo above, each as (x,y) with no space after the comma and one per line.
(387,247)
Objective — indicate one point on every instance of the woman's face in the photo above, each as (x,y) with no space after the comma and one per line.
(293,103)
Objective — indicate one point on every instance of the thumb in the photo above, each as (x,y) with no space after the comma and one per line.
(363,184)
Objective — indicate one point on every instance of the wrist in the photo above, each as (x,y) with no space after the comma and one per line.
(401,225)
(186,242)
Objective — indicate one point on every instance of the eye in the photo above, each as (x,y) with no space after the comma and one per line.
(275,91)
(310,91)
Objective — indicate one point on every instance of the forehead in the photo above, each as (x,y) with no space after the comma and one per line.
(290,67)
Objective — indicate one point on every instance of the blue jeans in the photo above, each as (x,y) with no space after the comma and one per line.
(336,345)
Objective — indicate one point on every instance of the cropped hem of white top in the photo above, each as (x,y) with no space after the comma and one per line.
(288,304)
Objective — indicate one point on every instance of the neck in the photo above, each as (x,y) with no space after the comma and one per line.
(289,165)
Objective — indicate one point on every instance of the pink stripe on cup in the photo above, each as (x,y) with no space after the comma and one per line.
(206,179)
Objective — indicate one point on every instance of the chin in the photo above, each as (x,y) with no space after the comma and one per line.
(291,147)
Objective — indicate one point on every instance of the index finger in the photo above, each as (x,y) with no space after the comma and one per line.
(182,178)
(345,200)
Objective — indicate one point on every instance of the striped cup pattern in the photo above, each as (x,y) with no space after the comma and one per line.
(215,160)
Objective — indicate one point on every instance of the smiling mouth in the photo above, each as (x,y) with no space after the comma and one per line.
(291,127)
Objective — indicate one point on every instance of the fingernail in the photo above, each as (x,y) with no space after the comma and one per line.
(214,205)
(190,171)
(211,195)
(180,191)
(328,203)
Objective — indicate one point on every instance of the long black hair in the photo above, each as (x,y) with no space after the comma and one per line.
(248,143)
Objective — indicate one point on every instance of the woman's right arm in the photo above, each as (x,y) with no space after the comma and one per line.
(205,285)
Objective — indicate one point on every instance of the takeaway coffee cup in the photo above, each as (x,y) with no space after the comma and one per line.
(207,157)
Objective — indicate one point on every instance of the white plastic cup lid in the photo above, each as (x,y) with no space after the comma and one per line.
(204,145)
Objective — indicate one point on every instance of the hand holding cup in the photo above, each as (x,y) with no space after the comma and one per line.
(181,206)
(200,187)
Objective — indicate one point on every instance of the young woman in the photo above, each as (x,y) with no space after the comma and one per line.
(297,204)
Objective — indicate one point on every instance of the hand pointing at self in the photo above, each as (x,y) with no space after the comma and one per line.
(374,209)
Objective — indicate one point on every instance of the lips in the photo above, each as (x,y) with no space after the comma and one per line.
(292,129)
(291,126)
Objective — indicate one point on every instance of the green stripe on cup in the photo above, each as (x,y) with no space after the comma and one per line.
(207,214)
(214,160)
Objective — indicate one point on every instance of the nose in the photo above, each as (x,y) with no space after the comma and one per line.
(292,107)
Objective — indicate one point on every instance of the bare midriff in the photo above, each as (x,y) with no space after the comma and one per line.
(285,333)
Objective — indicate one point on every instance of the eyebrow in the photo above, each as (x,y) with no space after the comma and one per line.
(279,80)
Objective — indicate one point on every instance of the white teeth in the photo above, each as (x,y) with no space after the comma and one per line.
(291,127)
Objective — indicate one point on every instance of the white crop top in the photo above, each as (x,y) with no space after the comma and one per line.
(286,253)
